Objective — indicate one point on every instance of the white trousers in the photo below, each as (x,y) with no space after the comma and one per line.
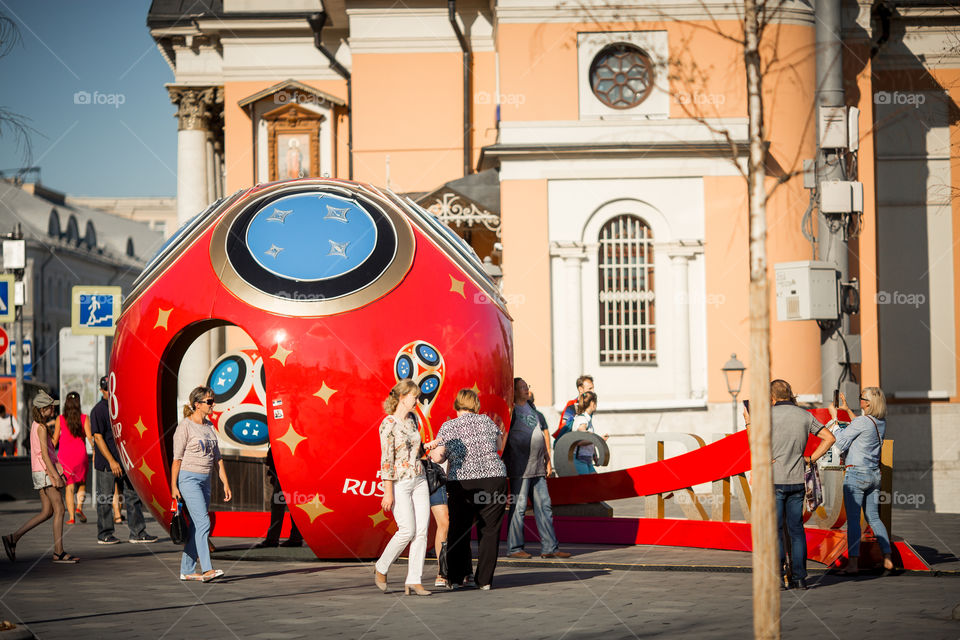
(411,510)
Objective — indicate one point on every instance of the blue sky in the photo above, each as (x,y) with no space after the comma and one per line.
(124,141)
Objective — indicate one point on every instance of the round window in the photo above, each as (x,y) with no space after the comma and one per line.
(621,76)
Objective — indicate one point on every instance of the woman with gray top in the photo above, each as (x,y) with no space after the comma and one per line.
(860,443)
(195,453)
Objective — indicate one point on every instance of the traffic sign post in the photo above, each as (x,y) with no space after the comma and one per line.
(4,341)
(95,310)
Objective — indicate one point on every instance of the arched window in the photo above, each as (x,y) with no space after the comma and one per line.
(627,327)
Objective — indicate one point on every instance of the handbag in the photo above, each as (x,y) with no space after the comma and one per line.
(436,478)
(813,488)
(179,525)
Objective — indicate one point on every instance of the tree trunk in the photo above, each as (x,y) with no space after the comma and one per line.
(766,557)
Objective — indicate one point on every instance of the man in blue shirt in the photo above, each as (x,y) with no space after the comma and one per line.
(111,474)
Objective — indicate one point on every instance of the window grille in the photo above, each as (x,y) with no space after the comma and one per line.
(627,321)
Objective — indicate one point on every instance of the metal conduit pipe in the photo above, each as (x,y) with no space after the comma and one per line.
(467,100)
(316,22)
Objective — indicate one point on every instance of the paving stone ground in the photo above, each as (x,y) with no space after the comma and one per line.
(133,591)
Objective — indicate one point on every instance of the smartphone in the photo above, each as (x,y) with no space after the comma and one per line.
(836,397)
(746,405)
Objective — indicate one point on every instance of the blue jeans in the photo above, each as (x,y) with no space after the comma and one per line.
(520,489)
(195,489)
(106,481)
(583,467)
(861,490)
(789,503)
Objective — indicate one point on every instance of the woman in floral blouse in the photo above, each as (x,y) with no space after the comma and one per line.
(476,488)
(405,489)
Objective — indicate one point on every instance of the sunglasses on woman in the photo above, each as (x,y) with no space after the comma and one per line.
(208,402)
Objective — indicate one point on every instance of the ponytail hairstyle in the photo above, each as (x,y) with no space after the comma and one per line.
(399,390)
(71,411)
(198,394)
(584,401)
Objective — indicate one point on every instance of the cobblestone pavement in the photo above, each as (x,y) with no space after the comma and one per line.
(133,591)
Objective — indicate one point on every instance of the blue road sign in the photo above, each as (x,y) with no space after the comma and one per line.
(7,307)
(27,358)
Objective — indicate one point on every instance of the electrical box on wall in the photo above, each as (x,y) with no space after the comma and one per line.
(808,290)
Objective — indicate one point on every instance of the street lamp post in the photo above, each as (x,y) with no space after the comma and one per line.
(733,374)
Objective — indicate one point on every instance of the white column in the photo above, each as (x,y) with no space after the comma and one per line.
(211,158)
(194,180)
(680,256)
(568,259)
(191,173)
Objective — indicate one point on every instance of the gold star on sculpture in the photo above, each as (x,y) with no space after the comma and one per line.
(281,354)
(140,426)
(456,286)
(392,528)
(146,470)
(475,388)
(292,439)
(378,517)
(314,509)
(157,509)
(325,393)
(163,315)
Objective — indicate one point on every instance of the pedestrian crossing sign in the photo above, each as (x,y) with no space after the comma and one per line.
(95,310)
(8,310)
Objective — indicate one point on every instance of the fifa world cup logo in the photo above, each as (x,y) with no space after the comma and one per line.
(421,362)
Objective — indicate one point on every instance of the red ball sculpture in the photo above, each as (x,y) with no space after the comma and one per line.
(343,289)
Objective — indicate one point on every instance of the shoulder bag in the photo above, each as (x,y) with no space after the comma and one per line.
(436,478)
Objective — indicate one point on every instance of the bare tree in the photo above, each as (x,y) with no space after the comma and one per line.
(13,125)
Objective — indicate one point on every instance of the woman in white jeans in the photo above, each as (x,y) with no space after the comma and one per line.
(405,489)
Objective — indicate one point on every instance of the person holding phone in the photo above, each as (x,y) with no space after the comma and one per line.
(860,443)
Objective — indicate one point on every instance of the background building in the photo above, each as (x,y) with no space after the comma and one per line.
(66,245)
(596,151)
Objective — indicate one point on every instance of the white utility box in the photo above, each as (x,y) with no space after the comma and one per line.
(808,290)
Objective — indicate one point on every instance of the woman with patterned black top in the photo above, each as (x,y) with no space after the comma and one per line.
(476,488)
(405,489)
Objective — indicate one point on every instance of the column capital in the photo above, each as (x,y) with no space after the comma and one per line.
(195,106)
(682,249)
(568,250)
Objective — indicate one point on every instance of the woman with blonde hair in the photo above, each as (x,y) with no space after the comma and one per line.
(860,443)
(476,488)
(405,490)
(195,454)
